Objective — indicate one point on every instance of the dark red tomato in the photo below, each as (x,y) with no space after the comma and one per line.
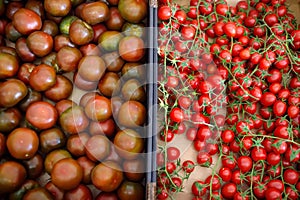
(107,196)
(199,188)
(79,193)
(258,153)
(42,115)
(26,21)
(291,193)
(228,190)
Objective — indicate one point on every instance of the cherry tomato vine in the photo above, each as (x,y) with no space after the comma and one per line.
(229,80)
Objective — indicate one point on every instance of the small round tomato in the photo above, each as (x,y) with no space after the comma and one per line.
(258,153)
(164,13)
(199,188)
(225,173)
(273,194)
(244,163)
(173,153)
(228,190)
(279,108)
(188,166)
(227,136)
(204,159)
(291,176)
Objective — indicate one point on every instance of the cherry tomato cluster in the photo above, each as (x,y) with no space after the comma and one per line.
(229,80)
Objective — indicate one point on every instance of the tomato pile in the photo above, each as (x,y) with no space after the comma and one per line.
(72,100)
(229,81)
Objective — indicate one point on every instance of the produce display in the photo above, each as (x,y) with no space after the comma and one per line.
(229,87)
(73,101)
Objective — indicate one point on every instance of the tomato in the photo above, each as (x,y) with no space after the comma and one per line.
(12,176)
(131,114)
(204,159)
(80,192)
(268,99)
(273,194)
(244,163)
(176,115)
(281,132)
(113,178)
(258,153)
(225,173)
(273,158)
(164,13)
(230,29)
(22,143)
(173,153)
(199,188)
(128,144)
(213,182)
(188,166)
(204,133)
(228,190)
(291,176)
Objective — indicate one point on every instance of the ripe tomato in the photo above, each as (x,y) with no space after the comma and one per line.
(199,188)
(173,153)
(176,115)
(258,153)
(164,13)
(291,176)
(188,166)
(204,159)
(244,163)
(228,190)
